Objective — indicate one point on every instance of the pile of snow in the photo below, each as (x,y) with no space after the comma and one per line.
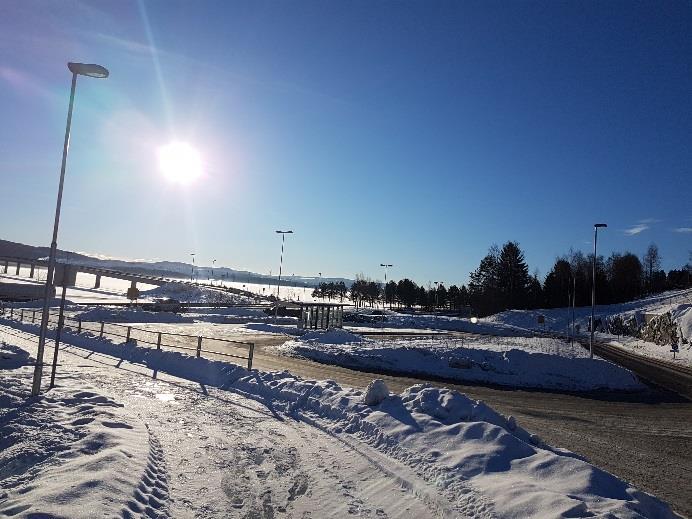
(12,357)
(189,293)
(331,336)
(67,452)
(286,326)
(507,361)
(129,315)
(376,392)
(478,458)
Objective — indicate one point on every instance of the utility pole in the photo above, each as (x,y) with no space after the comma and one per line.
(384,292)
(281,264)
(593,284)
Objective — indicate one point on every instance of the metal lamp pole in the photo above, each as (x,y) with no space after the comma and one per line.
(385,265)
(437,294)
(213,264)
(192,272)
(593,284)
(82,69)
(281,264)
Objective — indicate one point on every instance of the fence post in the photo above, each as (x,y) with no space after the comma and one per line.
(21,315)
(199,346)
(158,342)
(79,325)
(101,334)
(33,316)
(129,329)
(11,313)
(249,359)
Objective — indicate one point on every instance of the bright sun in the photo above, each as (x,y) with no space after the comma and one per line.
(180,162)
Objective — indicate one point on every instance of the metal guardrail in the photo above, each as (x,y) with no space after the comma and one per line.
(159,340)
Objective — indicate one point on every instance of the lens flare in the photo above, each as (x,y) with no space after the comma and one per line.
(179,162)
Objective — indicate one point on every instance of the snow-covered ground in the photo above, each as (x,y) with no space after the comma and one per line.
(516,323)
(509,361)
(678,302)
(263,444)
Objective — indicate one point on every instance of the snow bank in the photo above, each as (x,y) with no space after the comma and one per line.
(67,451)
(333,336)
(189,293)
(508,361)
(130,315)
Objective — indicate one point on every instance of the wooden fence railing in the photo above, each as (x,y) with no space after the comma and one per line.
(157,339)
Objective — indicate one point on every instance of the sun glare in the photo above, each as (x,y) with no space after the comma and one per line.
(180,162)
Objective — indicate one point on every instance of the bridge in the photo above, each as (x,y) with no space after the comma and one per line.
(12,265)
(7,264)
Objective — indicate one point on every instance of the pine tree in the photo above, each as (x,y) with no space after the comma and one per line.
(512,276)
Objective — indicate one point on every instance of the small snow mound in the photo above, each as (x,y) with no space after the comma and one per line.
(333,336)
(12,356)
(376,392)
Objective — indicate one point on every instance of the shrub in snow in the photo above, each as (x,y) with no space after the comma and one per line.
(376,392)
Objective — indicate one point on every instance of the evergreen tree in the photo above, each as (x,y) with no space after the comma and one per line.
(558,284)
(512,276)
(625,276)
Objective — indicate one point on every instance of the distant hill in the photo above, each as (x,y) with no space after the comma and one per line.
(172,269)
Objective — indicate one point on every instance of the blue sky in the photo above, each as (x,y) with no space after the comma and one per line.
(413,133)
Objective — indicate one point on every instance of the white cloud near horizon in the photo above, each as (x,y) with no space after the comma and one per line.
(683,229)
(636,229)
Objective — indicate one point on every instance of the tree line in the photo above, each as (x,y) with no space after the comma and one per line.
(502,282)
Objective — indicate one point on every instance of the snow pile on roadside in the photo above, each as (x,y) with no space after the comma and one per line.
(67,451)
(129,315)
(477,457)
(332,336)
(189,293)
(508,361)
(462,445)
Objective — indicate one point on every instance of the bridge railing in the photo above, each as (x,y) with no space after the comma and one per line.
(202,346)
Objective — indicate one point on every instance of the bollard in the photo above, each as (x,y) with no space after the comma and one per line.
(11,313)
(79,325)
(33,316)
(101,334)
(129,329)
(21,315)
(158,342)
(249,359)
(199,346)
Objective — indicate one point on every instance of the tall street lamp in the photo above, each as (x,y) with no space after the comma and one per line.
(386,266)
(437,293)
(281,264)
(593,284)
(192,272)
(213,264)
(81,69)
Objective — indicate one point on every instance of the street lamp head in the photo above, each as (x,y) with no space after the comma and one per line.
(284,232)
(88,69)
(600,225)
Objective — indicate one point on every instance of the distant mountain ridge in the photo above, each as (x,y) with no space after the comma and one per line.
(173,269)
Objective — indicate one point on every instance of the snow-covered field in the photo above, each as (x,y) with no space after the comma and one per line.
(508,361)
(264,444)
